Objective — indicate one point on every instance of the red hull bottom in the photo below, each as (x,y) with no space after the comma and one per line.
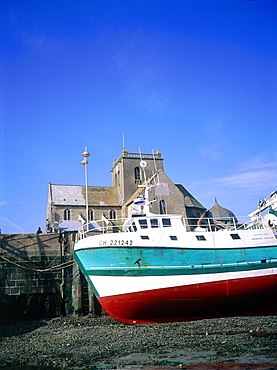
(238,297)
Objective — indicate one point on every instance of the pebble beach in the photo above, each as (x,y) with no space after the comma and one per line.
(102,343)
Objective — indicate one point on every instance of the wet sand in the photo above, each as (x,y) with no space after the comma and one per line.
(103,343)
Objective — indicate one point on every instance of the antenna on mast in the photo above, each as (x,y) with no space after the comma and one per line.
(155,166)
(123,141)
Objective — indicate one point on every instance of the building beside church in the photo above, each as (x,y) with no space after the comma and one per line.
(224,216)
(66,204)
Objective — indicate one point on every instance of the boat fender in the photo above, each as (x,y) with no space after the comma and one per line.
(201,218)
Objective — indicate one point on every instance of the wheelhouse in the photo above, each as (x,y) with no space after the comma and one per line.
(135,224)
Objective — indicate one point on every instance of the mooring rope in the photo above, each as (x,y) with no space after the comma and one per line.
(57,267)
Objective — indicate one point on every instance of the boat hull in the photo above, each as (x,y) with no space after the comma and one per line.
(236,297)
(164,285)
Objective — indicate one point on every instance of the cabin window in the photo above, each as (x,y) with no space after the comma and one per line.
(143,224)
(112,215)
(173,237)
(134,226)
(145,237)
(235,236)
(200,237)
(66,214)
(154,222)
(166,222)
(162,207)
(90,215)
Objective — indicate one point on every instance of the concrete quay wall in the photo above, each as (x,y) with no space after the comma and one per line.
(38,278)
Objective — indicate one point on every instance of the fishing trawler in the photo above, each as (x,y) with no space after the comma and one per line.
(155,268)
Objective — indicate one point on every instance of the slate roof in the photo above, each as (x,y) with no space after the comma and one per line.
(101,195)
(67,195)
(76,195)
(219,212)
(190,201)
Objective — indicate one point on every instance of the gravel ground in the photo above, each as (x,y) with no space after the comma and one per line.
(103,343)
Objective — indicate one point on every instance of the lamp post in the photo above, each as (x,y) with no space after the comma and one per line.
(85,163)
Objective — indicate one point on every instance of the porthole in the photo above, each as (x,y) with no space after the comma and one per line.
(235,236)
(200,237)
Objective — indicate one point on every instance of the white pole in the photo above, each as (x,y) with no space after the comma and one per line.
(85,163)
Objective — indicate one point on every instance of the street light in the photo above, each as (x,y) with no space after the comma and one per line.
(85,163)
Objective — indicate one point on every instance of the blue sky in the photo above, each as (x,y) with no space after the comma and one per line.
(194,78)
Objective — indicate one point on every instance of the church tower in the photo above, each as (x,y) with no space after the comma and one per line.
(131,169)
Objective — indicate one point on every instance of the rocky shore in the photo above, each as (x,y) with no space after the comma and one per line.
(103,343)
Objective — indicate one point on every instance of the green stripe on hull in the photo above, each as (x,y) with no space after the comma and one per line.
(151,261)
(166,271)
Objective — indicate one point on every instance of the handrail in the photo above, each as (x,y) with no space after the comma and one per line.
(188,224)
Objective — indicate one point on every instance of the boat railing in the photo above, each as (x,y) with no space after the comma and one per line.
(224,223)
(102,226)
(192,224)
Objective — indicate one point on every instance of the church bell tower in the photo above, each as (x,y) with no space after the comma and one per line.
(131,170)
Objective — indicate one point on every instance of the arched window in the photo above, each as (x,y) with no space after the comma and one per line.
(112,215)
(162,207)
(90,215)
(66,214)
(137,175)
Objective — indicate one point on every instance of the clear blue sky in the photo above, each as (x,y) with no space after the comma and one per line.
(194,78)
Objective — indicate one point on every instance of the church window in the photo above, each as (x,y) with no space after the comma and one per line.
(66,214)
(137,175)
(162,207)
(112,214)
(90,215)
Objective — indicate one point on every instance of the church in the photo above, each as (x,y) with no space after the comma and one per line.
(71,206)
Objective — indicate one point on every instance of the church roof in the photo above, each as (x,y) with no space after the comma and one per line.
(76,195)
(190,201)
(219,212)
(101,195)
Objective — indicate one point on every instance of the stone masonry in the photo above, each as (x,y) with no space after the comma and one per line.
(38,277)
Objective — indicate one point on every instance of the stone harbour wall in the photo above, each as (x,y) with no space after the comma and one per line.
(38,278)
